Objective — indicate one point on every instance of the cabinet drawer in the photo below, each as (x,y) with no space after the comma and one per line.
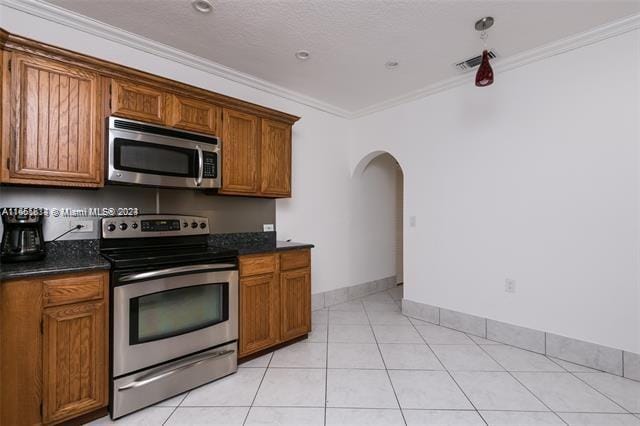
(296,259)
(256,265)
(71,289)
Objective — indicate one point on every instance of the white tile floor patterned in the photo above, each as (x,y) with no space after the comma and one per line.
(367,364)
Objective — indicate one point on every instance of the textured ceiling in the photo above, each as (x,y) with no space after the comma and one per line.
(350,40)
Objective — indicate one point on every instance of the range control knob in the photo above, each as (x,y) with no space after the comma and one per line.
(123,226)
(134,225)
(203,225)
(111,227)
(194,225)
(185,224)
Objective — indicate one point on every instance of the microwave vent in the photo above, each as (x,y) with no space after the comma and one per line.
(471,63)
(163,131)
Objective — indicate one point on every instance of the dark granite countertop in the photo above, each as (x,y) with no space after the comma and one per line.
(83,255)
(62,257)
(254,242)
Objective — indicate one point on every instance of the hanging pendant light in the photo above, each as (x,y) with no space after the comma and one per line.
(484,76)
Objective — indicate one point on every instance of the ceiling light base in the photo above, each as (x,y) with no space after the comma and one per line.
(484,23)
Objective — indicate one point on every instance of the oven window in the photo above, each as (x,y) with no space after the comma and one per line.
(173,312)
(153,158)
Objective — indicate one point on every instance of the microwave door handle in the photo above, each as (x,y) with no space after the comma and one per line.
(200,166)
(176,270)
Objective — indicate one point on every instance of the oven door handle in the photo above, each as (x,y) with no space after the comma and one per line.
(145,380)
(176,270)
(200,165)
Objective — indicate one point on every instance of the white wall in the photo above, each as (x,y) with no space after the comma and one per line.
(535,178)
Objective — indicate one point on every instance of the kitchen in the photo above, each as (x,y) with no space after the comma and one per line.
(184,240)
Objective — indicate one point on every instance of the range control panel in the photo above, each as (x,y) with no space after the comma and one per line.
(145,226)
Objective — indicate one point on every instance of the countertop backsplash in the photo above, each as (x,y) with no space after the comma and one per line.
(226,214)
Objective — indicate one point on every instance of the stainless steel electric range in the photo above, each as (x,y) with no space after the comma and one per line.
(174,308)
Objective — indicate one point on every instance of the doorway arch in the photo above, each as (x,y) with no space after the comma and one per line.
(381,158)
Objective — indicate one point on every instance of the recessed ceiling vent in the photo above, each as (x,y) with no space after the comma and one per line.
(471,63)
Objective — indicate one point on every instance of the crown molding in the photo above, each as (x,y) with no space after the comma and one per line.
(594,35)
(82,23)
(79,22)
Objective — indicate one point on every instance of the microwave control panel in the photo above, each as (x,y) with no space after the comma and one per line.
(210,165)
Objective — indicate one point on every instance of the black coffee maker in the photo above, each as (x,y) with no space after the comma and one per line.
(22,237)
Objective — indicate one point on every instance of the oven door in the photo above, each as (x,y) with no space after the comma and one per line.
(165,314)
(145,158)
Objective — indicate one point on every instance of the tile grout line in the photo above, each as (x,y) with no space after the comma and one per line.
(326,372)
(588,384)
(598,391)
(521,384)
(385,365)
(175,408)
(246,417)
(448,372)
(580,379)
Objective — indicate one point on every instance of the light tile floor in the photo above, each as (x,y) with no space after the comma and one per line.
(367,364)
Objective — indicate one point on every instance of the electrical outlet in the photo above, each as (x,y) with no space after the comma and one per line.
(412,221)
(510,285)
(87,225)
(268,227)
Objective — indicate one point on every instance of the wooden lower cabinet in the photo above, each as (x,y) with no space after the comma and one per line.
(54,352)
(259,327)
(275,307)
(74,360)
(295,303)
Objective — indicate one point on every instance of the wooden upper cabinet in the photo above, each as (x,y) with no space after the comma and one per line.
(195,115)
(240,153)
(55,127)
(259,313)
(275,158)
(295,303)
(138,102)
(74,360)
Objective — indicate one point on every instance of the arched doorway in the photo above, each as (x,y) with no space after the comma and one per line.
(379,182)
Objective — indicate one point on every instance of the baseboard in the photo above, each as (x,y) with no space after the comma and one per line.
(598,357)
(344,294)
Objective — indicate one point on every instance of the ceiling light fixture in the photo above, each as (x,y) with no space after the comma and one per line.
(484,76)
(390,65)
(303,55)
(202,6)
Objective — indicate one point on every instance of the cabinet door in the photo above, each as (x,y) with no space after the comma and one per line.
(137,102)
(275,159)
(240,153)
(259,316)
(194,115)
(56,130)
(74,360)
(295,303)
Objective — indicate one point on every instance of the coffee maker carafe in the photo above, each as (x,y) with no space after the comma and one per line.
(22,237)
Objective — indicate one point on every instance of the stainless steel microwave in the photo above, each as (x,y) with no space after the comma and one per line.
(147,154)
